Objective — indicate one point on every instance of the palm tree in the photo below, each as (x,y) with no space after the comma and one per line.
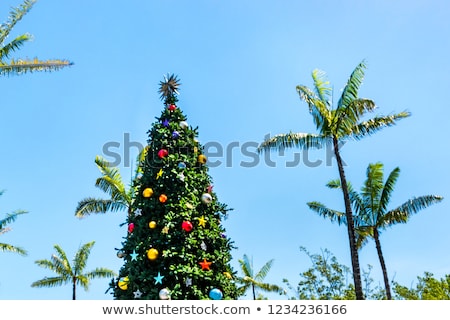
(67,273)
(10,217)
(21,66)
(335,126)
(371,210)
(255,281)
(111,183)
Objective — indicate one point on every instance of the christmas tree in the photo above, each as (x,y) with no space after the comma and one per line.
(176,246)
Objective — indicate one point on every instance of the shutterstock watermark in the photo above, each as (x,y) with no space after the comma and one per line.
(235,153)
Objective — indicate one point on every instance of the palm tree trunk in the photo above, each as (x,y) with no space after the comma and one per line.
(383,265)
(350,225)
(74,288)
(254,291)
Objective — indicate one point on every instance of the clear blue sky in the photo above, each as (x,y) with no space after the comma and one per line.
(239,63)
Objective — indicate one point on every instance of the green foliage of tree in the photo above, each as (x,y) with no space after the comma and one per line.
(20,66)
(71,273)
(336,125)
(427,288)
(372,215)
(254,281)
(10,218)
(176,246)
(327,279)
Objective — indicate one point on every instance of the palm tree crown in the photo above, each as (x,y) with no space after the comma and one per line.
(371,209)
(71,273)
(255,280)
(21,66)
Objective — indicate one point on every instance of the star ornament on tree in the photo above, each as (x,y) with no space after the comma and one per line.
(137,294)
(158,278)
(134,256)
(205,264)
(202,221)
(159,174)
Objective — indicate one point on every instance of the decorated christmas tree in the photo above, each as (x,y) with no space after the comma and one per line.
(176,246)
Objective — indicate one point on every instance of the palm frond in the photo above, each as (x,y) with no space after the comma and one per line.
(20,66)
(371,190)
(345,119)
(350,92)
(262,273)
(371,126)
(322,210)
(12,46)
(47,264)
(111,180)
(100,273)
(89,206)
(388,188)
(83,281)
(322,87)
(402,213)
(140,161)
(318,108)
(362,235)
(50,282)
(15,15)
(10,248)
(61,262)
(290,140)
(246,266)
(11,217)
(80,260)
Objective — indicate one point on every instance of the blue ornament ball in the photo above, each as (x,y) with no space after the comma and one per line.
(175,134)
(216,294)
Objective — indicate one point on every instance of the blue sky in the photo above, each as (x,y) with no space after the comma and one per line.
(239,63)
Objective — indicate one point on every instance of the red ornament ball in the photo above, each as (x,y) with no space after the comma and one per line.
(163,153)
(187,226)
(172,107)
(131,227)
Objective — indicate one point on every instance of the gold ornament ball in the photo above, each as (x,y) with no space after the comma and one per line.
(152,254)
(123,283)
(147,193)
(202,159)
(152,224)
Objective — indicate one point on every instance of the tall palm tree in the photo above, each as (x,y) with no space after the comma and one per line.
(21,66)
(111,183)
(255,281)
(71,273)
(10,217)
(371,210)
(336,125)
